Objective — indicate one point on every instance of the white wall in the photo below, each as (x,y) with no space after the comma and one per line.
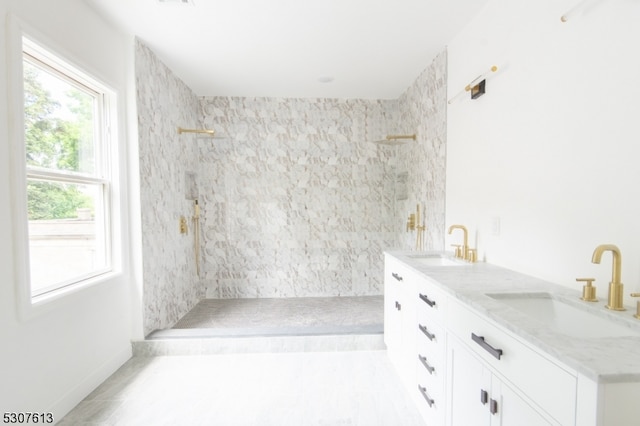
(52,360)
(552,149)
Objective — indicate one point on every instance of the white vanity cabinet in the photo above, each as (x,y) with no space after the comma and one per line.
(399,318)
(465,363)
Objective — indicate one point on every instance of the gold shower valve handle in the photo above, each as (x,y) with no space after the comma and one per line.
(183,225)
(637,314)
(411,222)
(588,290)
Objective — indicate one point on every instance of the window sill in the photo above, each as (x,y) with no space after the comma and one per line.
(32,307)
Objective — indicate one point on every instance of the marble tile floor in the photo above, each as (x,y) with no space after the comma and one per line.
(304,388)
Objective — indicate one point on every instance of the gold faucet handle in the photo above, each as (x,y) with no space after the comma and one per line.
(588,290)
(472,255)
(637,315)
(458,252)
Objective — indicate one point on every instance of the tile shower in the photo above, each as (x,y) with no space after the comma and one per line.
(296,199)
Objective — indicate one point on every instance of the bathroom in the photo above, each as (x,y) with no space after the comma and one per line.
(541,169)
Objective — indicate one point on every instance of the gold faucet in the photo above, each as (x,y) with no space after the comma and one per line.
(615,301)
(462,251)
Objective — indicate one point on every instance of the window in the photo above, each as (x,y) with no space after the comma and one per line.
(67,170)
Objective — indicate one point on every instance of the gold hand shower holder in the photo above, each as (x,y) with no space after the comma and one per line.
(196,234)
(414,223)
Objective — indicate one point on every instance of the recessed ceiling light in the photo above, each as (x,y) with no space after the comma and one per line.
(176,2)
(325,79)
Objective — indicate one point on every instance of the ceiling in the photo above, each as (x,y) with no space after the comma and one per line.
(367,49)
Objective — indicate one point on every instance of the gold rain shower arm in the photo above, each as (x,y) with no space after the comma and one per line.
(204,131)
(395,139)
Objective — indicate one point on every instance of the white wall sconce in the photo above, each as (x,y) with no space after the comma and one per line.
(577,8)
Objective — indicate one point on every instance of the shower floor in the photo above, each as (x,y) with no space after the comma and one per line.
(280,317)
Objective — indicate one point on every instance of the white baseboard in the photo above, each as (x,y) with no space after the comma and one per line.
(74,396)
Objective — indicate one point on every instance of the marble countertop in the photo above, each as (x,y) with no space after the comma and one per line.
(603,359)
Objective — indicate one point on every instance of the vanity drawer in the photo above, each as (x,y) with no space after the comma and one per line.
(543,381)
(430,339)
(396,272)
(432,374)
(430,402)
(431,300)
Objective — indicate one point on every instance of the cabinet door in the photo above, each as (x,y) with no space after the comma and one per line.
(400,319)
(394,283)
(477,397)
(470,387)
(512,410)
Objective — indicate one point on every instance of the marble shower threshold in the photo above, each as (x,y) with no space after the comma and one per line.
(321,330)
(317,324)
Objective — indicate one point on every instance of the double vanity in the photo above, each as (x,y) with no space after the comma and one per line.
(476,344)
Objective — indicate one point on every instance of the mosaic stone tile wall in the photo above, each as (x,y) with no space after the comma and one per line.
(298,201)
(170,284)
(423,109)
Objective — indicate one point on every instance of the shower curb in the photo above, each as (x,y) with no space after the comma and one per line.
(184,345)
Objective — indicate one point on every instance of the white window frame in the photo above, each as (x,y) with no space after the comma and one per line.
(21,40)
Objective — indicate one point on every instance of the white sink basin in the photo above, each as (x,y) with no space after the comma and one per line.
(563,317)
(437,260)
